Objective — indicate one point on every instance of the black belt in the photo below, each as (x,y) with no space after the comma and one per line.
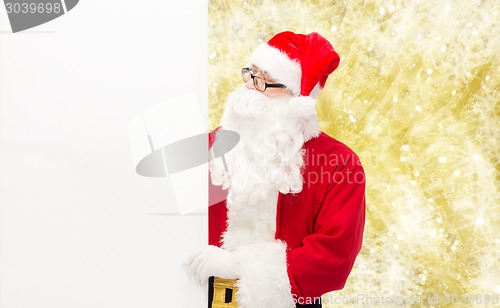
(222,293)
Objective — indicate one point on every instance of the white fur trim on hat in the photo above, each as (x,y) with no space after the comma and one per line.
(263,276)
(277,64)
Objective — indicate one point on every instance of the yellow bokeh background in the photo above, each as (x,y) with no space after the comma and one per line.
(416,96)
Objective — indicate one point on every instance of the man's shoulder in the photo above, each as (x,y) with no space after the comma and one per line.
(325,150)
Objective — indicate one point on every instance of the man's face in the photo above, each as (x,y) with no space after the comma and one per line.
(249,84)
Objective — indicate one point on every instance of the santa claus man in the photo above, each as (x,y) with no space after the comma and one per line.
(292,224)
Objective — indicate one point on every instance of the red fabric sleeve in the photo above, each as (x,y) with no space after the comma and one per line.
(324,261)
(217,213)
(211,137)
(217,217)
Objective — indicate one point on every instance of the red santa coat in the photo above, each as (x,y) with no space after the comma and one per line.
(322,225)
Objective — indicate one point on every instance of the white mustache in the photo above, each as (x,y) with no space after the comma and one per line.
(247,103)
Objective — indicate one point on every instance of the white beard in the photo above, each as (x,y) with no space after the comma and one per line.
(267,160)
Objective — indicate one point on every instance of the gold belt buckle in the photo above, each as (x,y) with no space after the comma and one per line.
(224,289)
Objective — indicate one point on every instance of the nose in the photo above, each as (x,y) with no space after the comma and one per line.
(249,84)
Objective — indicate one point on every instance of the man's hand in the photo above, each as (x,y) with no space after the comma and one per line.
(212,261)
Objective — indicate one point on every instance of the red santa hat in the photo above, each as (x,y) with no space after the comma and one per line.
(301,62)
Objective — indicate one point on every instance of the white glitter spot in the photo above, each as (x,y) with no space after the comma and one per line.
(395,99)
(213,55)
(447,9)
(334,28)
(443,48)
(416,173)
(402,158)
(456,173)
(391,8)
(439,220)
(399,237)
(352,119)
(476,156)
(405,147)
(418,108)
(487,77)
(442,159)
(382,11)
(430,200)
(396,247)
(454,92)
(453,248)
(479,221)
(429,72)
(413,183)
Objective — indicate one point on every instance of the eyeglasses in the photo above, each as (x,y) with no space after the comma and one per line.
(258,82)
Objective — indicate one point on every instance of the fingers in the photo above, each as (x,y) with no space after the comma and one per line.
(194,255)
(202,264)
(199,266)
(200,275)
(193,268)
(187,261)
(203,278)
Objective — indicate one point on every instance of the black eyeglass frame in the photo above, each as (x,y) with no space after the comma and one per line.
(248,70)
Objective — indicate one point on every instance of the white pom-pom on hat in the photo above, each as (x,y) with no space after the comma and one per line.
(305,108)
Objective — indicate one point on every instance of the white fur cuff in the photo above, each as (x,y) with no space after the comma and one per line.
(263,276)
